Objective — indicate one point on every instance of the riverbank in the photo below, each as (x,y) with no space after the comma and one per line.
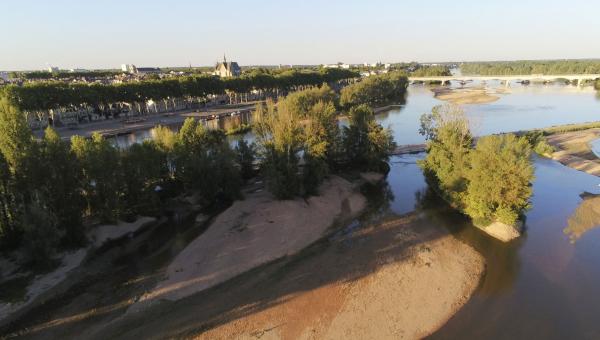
(573,149)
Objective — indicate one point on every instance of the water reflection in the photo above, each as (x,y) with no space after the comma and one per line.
(585,218)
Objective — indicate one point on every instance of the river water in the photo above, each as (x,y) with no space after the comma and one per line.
(545,284)
(541,286)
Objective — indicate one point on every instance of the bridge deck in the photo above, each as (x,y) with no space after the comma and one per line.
(516,77)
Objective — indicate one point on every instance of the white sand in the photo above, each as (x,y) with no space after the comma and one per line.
(43,283)
(252,232)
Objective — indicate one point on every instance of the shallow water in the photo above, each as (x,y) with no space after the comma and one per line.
(539,286)
(520,108)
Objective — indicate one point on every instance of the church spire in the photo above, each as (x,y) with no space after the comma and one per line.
(224,59)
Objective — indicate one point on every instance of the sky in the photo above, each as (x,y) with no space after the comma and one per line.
(107,33)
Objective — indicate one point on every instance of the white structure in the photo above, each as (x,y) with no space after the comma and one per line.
(4,76)
(338,65)
(78,70)
(129,68)
(52,69)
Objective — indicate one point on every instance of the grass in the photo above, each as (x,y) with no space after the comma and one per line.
(570,128)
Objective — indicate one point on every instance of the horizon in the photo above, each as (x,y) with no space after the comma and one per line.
(68,34)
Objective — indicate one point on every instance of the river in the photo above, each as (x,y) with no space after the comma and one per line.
(540,286)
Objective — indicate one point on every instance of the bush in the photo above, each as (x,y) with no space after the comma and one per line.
(538,143)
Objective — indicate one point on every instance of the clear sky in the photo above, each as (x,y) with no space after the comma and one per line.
(107,33)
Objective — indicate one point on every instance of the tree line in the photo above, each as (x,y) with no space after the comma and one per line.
(527,67)
(431,71)
(41,75)
(55,94)
(376,90)
(489,181)
(50,188)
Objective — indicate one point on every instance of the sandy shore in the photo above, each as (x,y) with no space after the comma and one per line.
(252,232)
(464,96)
(402,279)
(573,150)
(419,278)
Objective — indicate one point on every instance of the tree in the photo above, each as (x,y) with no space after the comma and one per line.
(144,167)
(449,141)
(366,142)
(61,186)
(205,162)
(321,144)
(101,179)
(245,158)
(16,141)
(9,210)
(499,179)
(280,139)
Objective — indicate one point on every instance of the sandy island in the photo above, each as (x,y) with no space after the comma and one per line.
(415,278)
(253,232)
(402,278)
(298,269)
(477,95)
(573,150)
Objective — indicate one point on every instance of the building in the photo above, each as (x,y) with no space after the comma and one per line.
(338,65)
(148,70)
(52,69)
(4,76)
(129,68)
(132,69)
(227,69)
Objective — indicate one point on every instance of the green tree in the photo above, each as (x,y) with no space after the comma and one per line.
(102,185)
(280,139)
(10,215)
(144,167)
(61,186)
(205,162)
(245,158)
(499,179)
(321,143)
(366,142)
(449,141)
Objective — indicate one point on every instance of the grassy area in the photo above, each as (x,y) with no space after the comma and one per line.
(570,128)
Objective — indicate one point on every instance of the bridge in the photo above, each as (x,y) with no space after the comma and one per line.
(529,77)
